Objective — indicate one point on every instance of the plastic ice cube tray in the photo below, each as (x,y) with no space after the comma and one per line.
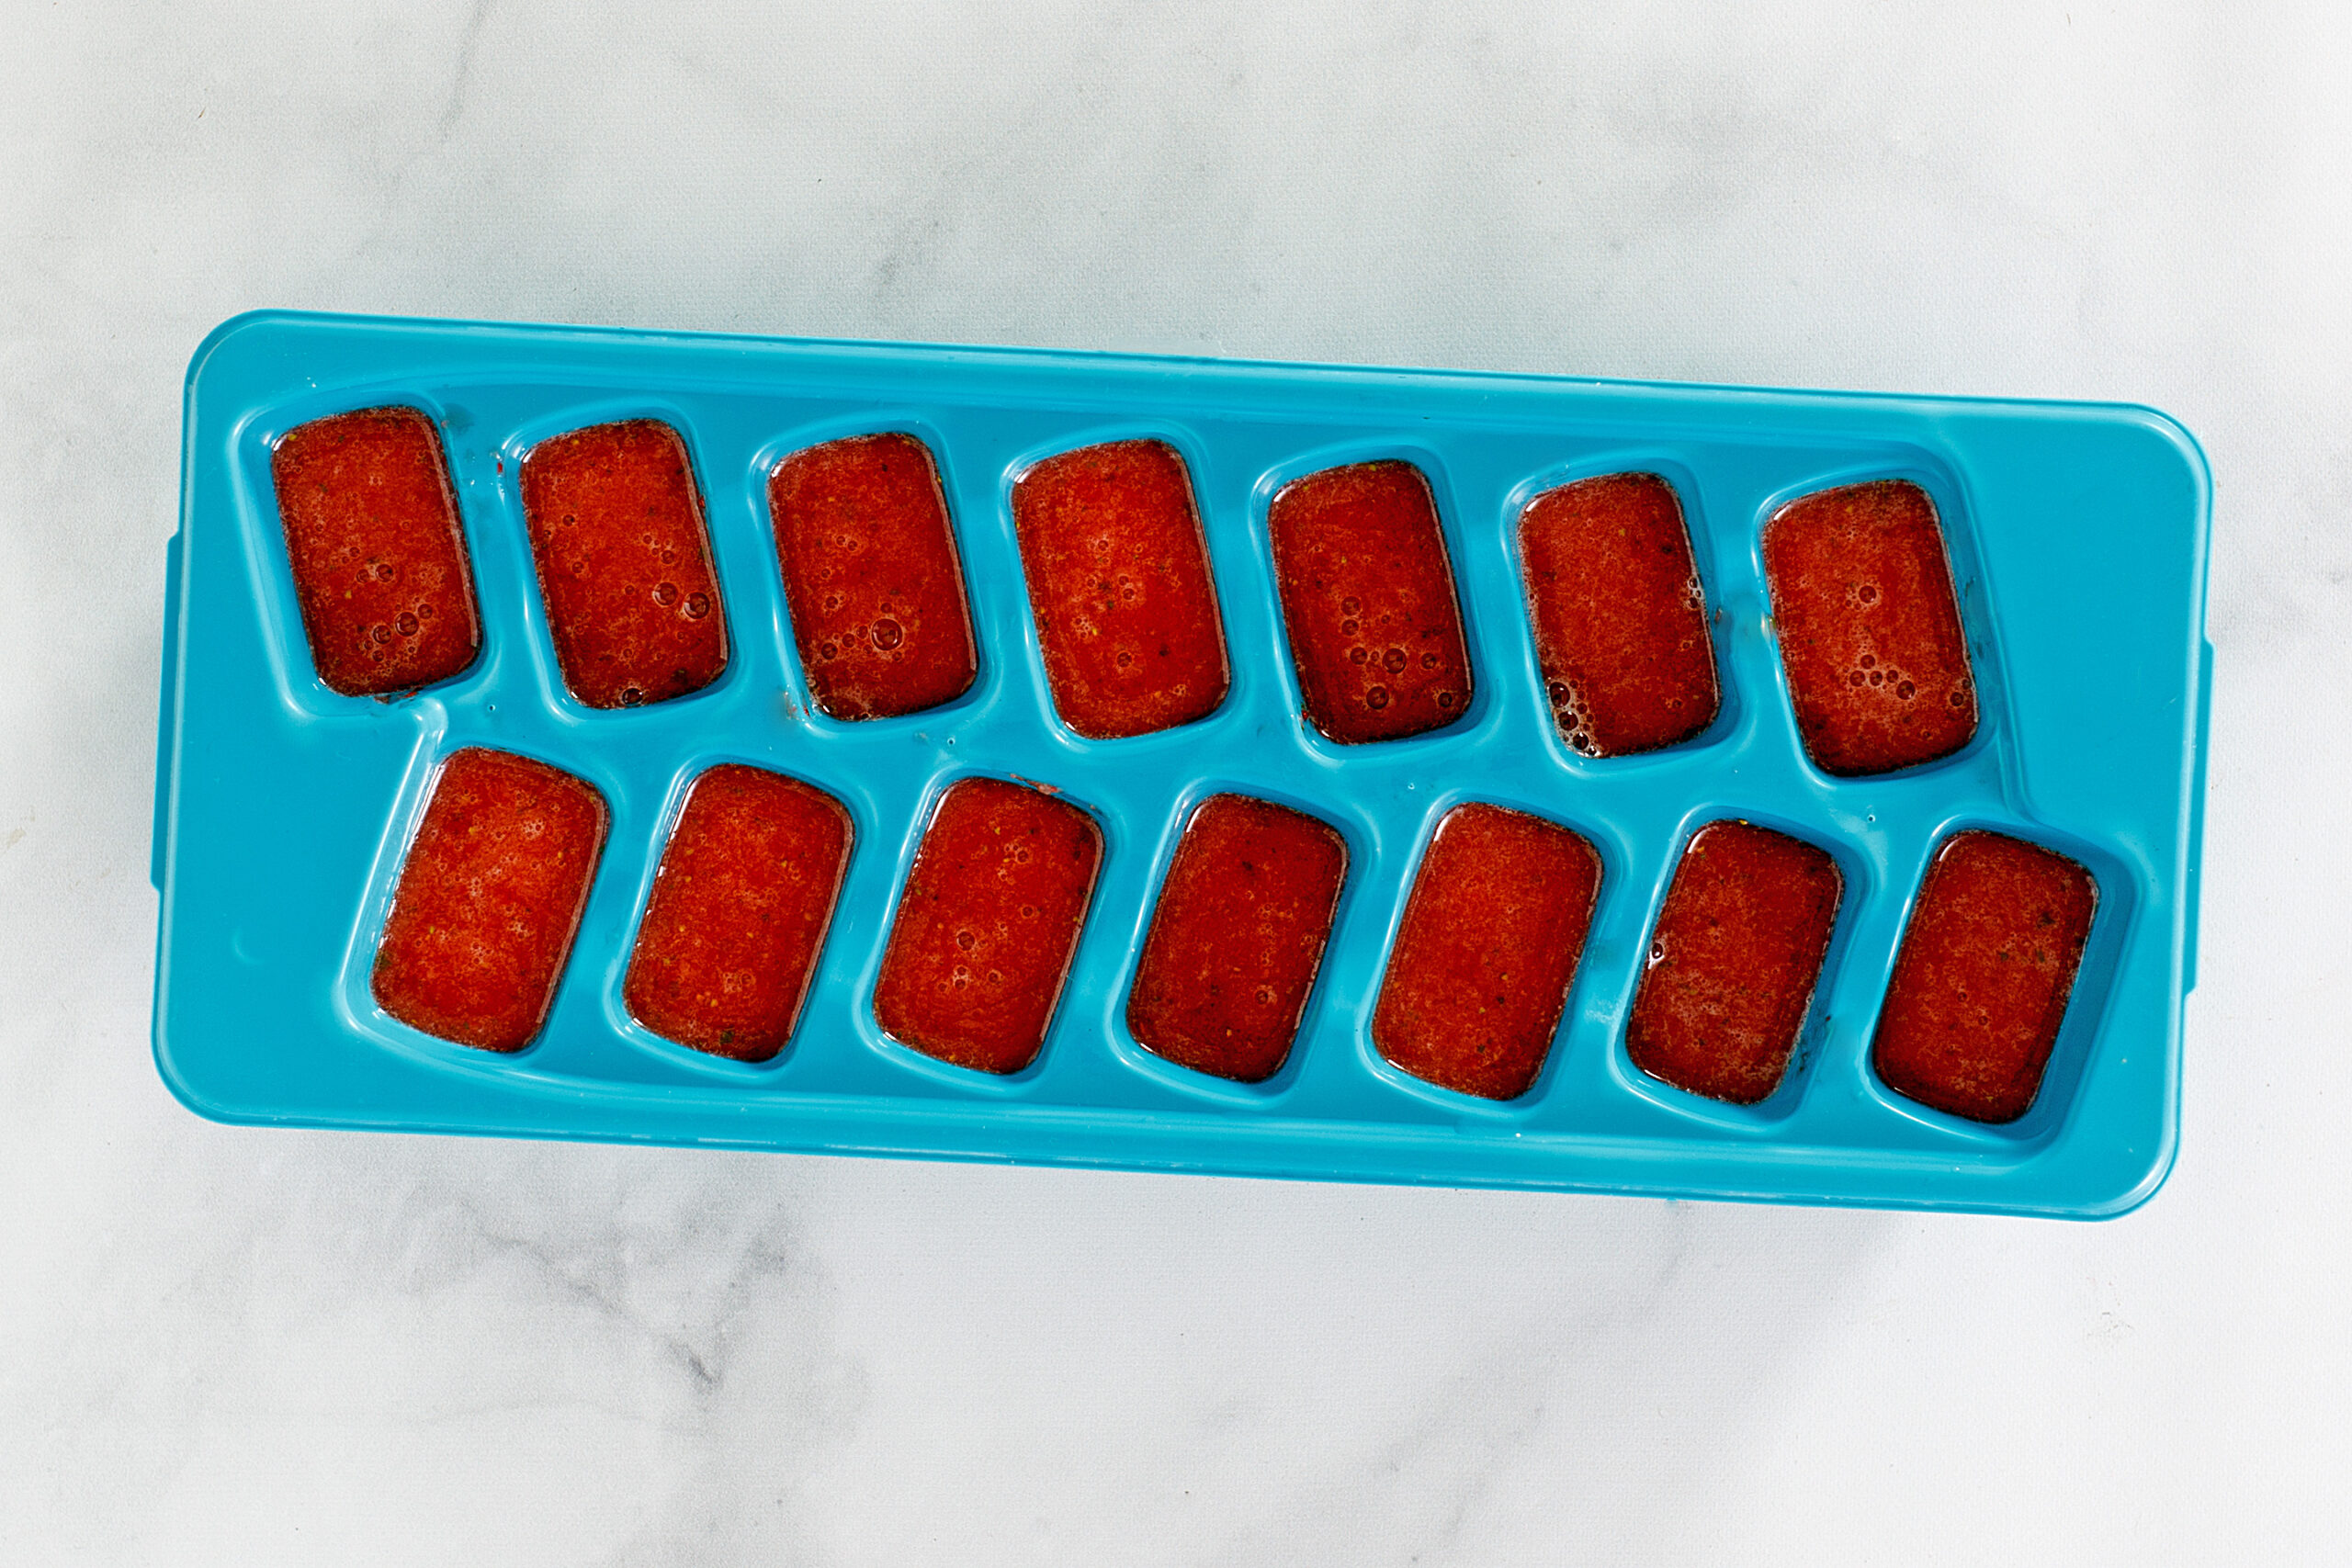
(2078,536)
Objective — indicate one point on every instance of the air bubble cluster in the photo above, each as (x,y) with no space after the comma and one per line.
(1574,720)
(1867,671)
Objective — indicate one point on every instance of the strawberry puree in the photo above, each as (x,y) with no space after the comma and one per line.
(987,925)
(489,899)
(623,563)
(1733,962)
(739,911)
(872,578)
(1119,584)
(1490,938)
(378,555)
(1981,983)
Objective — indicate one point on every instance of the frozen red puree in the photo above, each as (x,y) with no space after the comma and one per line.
(987,924)
(1368,601)
(378,555)
(1981,983)
(872,578)
(489,899)
(1869,627)
(1489,941)
(1733,962)
(739,911)
(1237,937)
(1620,620)
(624,561)
(1119,583)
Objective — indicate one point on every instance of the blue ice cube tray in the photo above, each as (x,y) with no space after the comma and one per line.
(2077,536)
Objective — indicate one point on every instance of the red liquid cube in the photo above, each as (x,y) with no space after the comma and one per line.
(987,925)
(1237,938)
(1870,628)
(739,911)
(1119,583)
(871,576)
(1490,938)
(1368,601)
(1981,983)
(378,555)
(1620,621)
(623,563)
(1733,963)
(489,899)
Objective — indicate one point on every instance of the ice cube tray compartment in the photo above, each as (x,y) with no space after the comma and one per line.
(2076,537)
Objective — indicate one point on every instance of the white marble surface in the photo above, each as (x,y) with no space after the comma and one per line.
(229,1346)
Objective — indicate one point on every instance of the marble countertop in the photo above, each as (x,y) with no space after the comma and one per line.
(256,1346)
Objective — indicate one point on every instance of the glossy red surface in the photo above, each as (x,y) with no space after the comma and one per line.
(378,559)
(1733,962)
(1490,938)
(987,925)
(738,914)
(489,899)
(1237,938)
(1982,980)
(1368,601)
(623,563)
(1120,588)
(1869,627)
(872,578)
(1619,617)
